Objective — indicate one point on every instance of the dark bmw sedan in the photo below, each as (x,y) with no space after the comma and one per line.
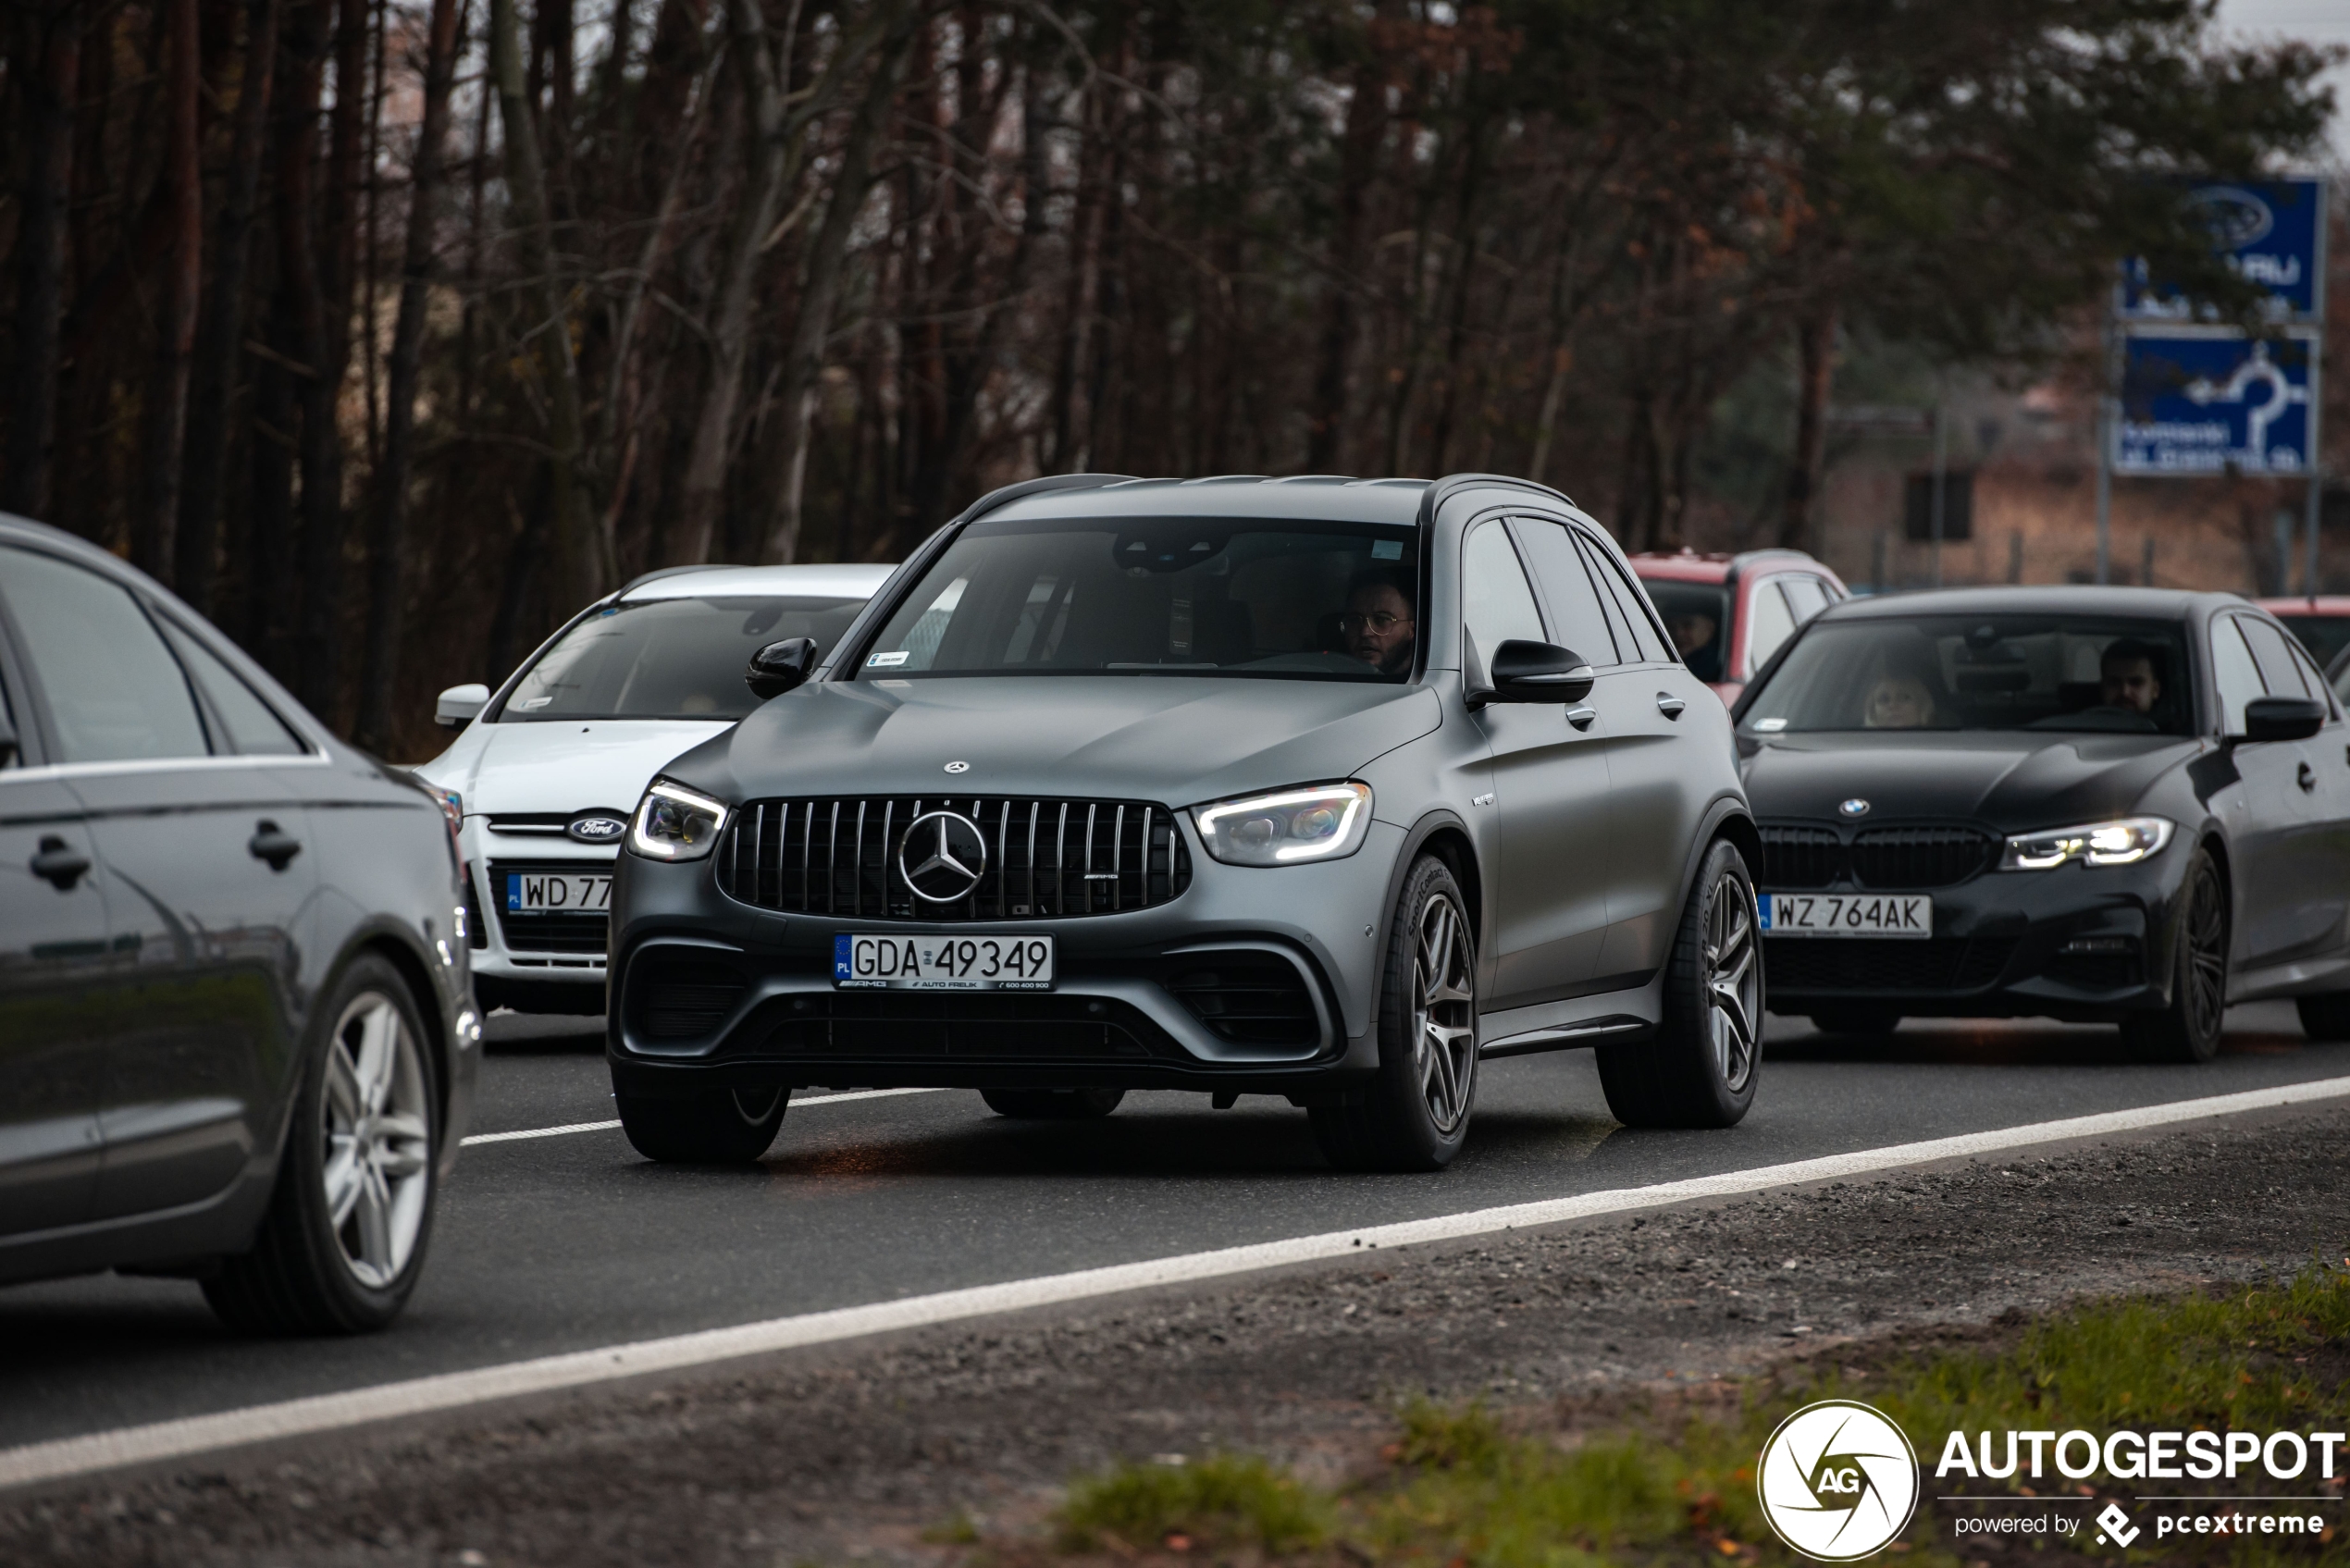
(2118,804)
(1315,788)
(237,1038)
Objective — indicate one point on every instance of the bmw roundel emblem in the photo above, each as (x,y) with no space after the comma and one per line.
(1856,807)
(597,827)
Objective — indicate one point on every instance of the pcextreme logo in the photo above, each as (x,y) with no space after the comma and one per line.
(1838,1480)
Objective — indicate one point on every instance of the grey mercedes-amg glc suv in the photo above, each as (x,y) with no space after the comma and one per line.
(1317,788)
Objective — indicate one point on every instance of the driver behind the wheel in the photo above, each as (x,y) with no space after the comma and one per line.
(1377,624)
(2130,676)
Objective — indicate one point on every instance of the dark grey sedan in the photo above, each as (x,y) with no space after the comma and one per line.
(1318,788)
(237,1037)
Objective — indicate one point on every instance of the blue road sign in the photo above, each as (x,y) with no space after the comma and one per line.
(2205,404)
(2271,231)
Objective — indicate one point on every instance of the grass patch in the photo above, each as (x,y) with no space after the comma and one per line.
(1221,1500)
(1461,1488)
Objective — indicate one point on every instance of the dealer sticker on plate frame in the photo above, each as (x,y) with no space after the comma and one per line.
(1847,914)
(868,961)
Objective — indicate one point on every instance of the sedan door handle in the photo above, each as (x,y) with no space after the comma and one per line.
(59,863)
(273,843)
(1669,705)
(1581,717)
(2308,778)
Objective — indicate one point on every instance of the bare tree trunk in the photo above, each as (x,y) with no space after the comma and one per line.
(220,334)
(768,162)
(1358,156)
(49,55)
(154,524)
(579,570)
(388,546)
(795,388)
(1815,342)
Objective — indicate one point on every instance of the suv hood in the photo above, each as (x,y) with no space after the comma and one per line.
(2012,779)
(559,766)
(1172,739)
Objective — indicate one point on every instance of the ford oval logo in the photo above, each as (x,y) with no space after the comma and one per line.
(1856,807)
(596,827)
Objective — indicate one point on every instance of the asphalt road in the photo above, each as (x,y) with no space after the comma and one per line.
(566,1243)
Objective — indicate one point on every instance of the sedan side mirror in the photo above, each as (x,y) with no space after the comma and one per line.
(780,666)
(2282,718)
(1540,671)
(459,705)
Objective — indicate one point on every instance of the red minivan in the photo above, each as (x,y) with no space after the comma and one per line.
(1729,614)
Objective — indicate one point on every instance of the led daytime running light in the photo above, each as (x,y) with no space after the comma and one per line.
(1290,827)
(676,823)
(2122,842)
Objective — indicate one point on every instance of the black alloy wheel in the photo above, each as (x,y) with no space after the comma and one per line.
(1053,1105)
(1415,1114)
(2188,1029)
(344,1241)
(719,1126)
(1701,1070)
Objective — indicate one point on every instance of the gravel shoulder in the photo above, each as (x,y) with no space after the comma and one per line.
(856,1452)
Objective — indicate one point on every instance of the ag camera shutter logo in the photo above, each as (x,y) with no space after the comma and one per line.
(1838,1480)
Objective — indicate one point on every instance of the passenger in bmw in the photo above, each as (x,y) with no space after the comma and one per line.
(1902,699)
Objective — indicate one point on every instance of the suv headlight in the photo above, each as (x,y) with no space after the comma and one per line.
(2124,841)
(676,823)
(1318,822)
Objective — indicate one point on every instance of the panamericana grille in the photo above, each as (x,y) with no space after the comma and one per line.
(1808,965)
(563,932)
(1798,854)
(839,855)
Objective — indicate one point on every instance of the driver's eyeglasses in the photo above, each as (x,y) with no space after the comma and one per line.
(1377,620)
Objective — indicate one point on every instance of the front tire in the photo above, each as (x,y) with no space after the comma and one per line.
(717,1127)
(1701,1070)
(1414,1115)
(1053,1105)
(344,1242)
(2188,1031)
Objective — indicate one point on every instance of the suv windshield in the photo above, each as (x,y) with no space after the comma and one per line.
(1177,596)
(669,658)
(1980,673)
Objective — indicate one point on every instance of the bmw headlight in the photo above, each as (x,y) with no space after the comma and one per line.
(2124,841)
(676,823)
(1318,822)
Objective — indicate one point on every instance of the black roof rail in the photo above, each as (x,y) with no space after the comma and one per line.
(638,582)
(1009,493)
(1451,482)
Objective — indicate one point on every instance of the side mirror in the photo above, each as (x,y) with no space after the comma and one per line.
(1539,672)
(780,666)
(2282,718)
(460,705)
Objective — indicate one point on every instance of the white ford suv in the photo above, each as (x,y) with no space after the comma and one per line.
(551,765)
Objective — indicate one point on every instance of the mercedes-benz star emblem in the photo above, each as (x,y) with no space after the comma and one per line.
(942,856)
(958,766)
(1856,807)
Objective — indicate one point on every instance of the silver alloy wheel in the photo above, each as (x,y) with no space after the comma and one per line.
(1733,981)
(1445,1013)
(378,1125)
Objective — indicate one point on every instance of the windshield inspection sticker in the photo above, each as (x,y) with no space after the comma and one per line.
(1387,549)
(885,661)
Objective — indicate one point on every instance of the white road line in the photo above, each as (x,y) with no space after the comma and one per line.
(450,1391)
(608,1126)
